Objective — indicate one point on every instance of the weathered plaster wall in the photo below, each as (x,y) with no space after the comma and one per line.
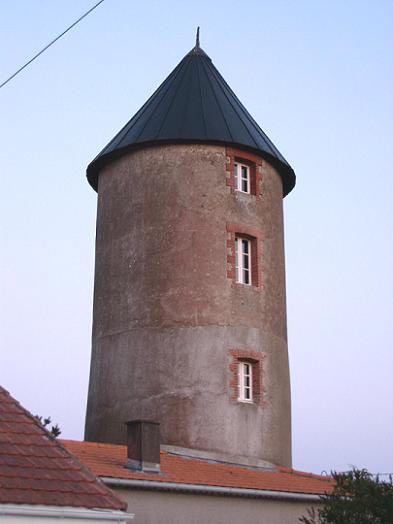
(166,316)
(154,507)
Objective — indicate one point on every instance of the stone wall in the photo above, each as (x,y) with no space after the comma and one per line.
(168,317)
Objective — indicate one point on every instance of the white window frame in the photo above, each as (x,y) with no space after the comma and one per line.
(245,381)
(243,260)
(241,173)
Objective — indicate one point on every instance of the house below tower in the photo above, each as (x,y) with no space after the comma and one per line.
(190,489)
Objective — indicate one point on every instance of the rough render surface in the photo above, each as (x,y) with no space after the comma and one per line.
(166,316)
(152,507)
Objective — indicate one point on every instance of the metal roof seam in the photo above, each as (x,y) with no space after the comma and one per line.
(246,115)
(173,99)
(202,105)
(168,83)
(225,86)
(218,104)
(249,117)
(116,140)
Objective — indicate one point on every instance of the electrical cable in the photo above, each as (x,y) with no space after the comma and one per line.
(51,43)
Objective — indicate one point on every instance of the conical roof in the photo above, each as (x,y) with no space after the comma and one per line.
(194,105)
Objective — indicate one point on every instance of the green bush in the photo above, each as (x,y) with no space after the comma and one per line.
(357,498)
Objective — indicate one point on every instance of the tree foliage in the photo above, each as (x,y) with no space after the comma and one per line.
(55,431)
(357,498)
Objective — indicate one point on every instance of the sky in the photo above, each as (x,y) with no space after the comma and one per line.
(317,77)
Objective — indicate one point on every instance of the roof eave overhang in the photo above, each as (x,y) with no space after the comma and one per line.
(210,490)
(286,172)
(64,512)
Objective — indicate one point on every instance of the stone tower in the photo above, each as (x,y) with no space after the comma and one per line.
(189,322)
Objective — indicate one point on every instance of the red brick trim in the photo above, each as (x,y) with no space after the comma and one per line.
(255,162)
(255,235)
(256,359)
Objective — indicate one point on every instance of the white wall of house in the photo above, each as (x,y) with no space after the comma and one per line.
(159,507)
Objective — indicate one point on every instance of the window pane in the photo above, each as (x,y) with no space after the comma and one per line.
(240,379)
(245,178)
(246,277)
(243,260)
(245,381)
(235,171)
(237,260)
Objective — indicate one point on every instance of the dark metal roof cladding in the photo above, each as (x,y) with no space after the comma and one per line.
(193,105)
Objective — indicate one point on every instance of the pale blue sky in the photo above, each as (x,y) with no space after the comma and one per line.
(317,76)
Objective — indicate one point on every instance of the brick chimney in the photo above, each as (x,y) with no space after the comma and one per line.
(143,445)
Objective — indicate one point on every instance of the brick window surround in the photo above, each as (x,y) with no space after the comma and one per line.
(254,235)
(256,360)
(253,161)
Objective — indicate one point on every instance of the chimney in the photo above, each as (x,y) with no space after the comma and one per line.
(143,445)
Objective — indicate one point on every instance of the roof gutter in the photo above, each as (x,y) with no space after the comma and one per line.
(210,490)
(96,515)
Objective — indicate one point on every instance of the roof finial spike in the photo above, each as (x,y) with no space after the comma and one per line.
(197,38)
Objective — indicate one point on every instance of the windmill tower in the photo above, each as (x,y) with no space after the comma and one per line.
(189,321)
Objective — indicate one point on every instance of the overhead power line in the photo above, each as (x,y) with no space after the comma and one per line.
(51,43)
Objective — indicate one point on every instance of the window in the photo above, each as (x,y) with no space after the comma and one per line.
(241,173)
(243,260)
(244,254)
(245,382)
(245,376)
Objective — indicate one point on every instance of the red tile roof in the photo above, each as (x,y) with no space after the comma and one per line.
(108,460)
(35,468)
